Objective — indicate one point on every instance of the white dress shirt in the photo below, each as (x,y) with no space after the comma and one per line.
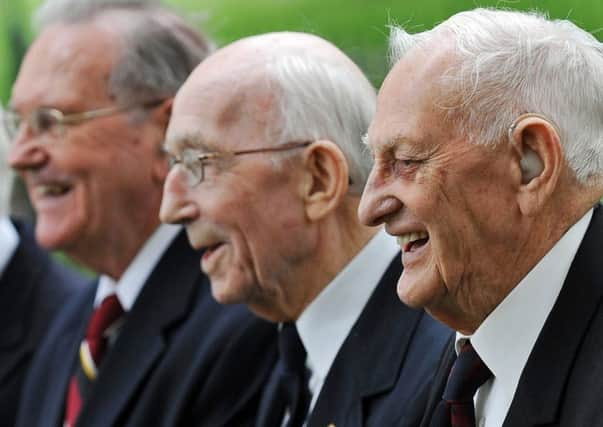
(9,240)
(327,321)
(131,282)
(506,337)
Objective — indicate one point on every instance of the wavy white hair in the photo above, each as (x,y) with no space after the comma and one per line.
(508,63)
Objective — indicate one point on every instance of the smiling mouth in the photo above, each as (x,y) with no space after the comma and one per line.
(52,190)
(411,242)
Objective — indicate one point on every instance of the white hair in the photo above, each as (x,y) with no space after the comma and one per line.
(508,63)
(159,48)
(322,99)
(59,11)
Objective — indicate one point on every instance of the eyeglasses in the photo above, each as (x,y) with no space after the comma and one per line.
(194,164)
(51,121)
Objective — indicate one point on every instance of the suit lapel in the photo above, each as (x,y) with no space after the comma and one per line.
(539,393)
(16,286)
(439,382)
(17,283)
(62,359)
(342,394)
(271,399)
(165,299)
(60,372)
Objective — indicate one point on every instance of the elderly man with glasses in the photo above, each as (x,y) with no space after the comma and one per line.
(33,289)
(148,345)
(268,167)
(490,177)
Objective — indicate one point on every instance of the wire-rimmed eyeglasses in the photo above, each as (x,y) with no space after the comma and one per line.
(52,121)
(193,163)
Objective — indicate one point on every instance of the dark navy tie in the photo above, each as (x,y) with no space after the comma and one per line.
(295,376)
(468,373)
(287,391)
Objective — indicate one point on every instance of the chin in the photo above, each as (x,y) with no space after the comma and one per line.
(268,312)
(417,291)
(225,293)
(52,237)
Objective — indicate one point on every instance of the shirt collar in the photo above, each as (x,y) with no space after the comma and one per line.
(9,240)
(131,282)
(326,322)
(506,337)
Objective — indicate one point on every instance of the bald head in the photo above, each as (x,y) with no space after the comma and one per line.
(268,48)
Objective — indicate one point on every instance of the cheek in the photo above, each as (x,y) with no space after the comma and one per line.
(277,241)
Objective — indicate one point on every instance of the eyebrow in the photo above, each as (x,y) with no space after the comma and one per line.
(407,145)
(388,145)
(191,140)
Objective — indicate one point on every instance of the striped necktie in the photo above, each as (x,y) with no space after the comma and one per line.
(468,373)
(91,352)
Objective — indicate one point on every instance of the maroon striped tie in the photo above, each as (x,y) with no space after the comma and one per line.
(468,373)
(91,353)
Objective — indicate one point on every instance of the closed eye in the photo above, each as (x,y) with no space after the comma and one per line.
(405,167)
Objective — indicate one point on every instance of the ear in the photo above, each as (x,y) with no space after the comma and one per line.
(160,118)
(538,159)
(160,115)
(325,180)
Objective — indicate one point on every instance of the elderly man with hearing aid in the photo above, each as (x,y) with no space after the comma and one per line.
(488,168)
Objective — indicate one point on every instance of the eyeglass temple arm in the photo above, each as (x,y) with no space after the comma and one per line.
(107,111)
(275,148)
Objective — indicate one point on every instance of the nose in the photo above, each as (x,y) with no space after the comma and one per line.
(27,153)
(377,204)
(177,207)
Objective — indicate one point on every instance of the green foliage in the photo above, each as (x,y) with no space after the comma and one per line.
(359,27)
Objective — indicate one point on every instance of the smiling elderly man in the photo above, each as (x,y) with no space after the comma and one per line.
(488,178)
(265,138)
(148,346)
(33,290)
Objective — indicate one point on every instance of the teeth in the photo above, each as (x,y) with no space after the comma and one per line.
(51,189)
(411,237)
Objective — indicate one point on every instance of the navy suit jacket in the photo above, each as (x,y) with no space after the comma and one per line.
(180,358)
(562,382)
(33,288)
(382,373)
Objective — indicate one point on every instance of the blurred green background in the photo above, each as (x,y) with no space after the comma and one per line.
(359,27)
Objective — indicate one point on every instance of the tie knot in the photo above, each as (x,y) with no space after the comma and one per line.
(103,317)
(291,348)
(468,374)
